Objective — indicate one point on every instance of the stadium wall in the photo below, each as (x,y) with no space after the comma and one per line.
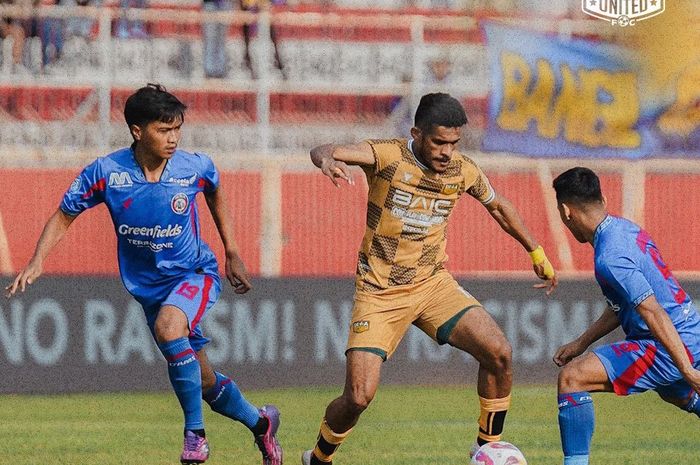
(78,334)
(301,212)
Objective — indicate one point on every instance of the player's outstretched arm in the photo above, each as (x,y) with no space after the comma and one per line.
(333,160)
(236,272)
(603,326)
(663,330)
(510,221)
(53,232)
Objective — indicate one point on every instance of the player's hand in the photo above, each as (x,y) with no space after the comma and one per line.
(335,170)
(568,352)
(25,277)
(237,274)
(544,270)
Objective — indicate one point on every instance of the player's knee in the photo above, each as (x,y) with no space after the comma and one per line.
(357,400)
(568,380)
(169,329)
(500,358)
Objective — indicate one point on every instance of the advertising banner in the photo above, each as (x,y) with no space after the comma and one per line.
(553,96)
(78,334)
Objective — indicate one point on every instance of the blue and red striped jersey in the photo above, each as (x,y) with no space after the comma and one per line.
(629,269)
(157,223)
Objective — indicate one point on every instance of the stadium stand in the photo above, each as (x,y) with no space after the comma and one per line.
(353,66)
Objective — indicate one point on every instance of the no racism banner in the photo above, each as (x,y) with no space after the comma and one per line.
(82,334)
(552,97)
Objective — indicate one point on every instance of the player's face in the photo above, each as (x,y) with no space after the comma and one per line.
(160,139)
(434,149)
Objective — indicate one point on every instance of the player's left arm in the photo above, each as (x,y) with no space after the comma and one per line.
(511,222)
(236,272)
(662,329)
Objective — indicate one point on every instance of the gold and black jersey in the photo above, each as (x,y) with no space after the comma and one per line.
(407,211)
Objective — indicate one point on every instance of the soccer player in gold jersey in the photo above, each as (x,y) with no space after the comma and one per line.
(400,280)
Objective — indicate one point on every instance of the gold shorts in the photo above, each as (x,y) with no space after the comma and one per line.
(380,319)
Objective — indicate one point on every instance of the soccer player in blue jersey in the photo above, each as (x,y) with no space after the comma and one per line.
(662,325)
(150,189)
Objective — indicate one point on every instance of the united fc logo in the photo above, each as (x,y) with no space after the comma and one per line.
(360,326)
(623,13)
(179,203)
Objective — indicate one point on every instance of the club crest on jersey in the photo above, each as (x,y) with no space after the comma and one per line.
(449,189)
(179,203)
(360,326)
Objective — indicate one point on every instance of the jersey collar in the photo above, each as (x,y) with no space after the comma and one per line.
(418,162)
(137,168)
(600,228)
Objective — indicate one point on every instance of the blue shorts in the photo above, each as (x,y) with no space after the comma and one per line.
(194,294)
(641,365)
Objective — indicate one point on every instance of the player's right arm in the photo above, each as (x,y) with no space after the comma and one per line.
(603,326)
(53,232)
(86,191)
(333,160)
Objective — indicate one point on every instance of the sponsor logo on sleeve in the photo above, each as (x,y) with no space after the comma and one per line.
(75,185)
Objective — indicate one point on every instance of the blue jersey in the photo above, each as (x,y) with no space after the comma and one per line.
(629,268)
(157,223)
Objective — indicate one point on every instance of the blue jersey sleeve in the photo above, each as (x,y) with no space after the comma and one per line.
(86,191)
(626,278)
(210,175)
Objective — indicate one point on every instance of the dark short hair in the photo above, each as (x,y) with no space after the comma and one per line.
(153,103)
(439,110)
(578,185)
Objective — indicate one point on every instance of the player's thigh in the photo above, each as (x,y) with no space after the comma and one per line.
(194,294)
(477,333)
(449,314)
(379,321)
(362,375)
(636,366)
(584,373)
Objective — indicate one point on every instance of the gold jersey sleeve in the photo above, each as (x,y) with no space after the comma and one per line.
(407,212)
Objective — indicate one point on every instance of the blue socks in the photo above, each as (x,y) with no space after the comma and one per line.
(576,424)
(226,399)
(185,376)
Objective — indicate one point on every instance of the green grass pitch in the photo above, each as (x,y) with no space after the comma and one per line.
(403,426)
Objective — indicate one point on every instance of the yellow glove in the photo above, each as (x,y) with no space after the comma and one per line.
(540,259)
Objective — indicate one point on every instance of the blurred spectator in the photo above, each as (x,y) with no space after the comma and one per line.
(249,31)
(12,28)
(438,77)
(131,29)
(439,73)
(55,31)
(80,26)
(214,41)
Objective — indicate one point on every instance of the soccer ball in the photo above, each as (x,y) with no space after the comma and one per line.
(498,453)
